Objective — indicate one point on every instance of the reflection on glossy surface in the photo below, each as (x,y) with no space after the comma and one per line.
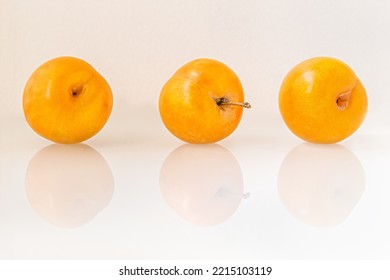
(202,183)
(321,184)
(68,185)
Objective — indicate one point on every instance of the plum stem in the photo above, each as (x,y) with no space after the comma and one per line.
(225,101)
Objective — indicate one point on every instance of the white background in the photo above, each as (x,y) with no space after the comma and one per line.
(305,202)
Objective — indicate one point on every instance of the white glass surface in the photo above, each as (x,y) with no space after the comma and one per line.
(145,195)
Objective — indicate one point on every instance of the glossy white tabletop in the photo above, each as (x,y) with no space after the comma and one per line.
(134,191)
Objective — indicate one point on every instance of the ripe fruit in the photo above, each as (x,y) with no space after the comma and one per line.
(202,102)
(322,100)
(321,185)
(204,185)
(68,185)
(66,100)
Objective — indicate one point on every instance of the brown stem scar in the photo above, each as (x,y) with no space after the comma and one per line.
(342,100)
(76,91)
